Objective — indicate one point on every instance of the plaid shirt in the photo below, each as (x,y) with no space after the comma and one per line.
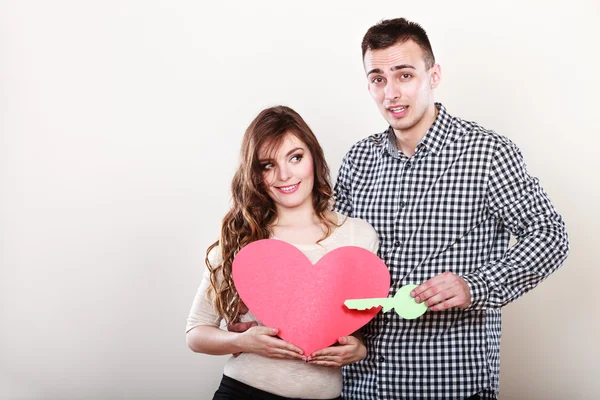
(450,207)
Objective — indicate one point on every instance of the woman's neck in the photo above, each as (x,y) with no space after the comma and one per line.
(301,225)
(297,217)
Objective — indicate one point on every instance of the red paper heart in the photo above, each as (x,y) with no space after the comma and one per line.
(284,290)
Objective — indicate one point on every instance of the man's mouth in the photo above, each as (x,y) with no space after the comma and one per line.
(397,111)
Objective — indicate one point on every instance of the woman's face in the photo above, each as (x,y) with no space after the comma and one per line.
(288,174)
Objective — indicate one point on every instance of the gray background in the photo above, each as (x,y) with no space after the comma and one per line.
(120,125)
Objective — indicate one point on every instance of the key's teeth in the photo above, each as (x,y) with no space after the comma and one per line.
(367,308)
(351,305)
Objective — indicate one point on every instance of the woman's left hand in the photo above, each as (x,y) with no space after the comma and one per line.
(349,350)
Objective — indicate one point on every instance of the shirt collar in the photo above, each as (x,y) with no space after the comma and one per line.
(433,140)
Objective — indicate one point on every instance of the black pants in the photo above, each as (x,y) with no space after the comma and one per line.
(231,389)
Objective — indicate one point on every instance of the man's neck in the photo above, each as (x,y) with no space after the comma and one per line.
(408,139)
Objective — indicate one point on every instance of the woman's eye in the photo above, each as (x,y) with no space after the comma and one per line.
(266,166)
(296,157)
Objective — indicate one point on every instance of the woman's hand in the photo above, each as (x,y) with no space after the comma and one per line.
(237,326)
(261,340)
(349,350)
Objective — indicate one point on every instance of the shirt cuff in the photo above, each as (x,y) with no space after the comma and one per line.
(479,291)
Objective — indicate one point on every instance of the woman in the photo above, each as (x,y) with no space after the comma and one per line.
(282,191)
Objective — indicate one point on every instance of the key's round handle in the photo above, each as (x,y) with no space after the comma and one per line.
(406,306)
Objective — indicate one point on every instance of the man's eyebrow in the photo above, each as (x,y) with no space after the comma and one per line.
(374,71)
(402,66)
(394,68)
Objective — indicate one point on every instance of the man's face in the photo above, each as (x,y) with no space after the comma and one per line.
(402,86)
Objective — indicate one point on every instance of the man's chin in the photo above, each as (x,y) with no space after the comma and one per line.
(399,127)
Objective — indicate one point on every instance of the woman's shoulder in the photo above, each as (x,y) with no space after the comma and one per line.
(357,232)
(214,256)
(354,223)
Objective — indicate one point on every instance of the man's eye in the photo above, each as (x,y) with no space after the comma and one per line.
(406,76)
(377,80)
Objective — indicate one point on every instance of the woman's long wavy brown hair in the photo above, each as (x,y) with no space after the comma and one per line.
(253,212)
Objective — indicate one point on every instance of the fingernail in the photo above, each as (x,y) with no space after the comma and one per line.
(412,294)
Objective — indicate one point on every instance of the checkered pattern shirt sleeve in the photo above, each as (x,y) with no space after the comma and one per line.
(517,199)
(450,207)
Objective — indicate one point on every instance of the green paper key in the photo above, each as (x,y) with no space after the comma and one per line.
(404,305)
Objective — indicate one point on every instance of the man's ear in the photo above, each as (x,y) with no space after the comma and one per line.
(436,75)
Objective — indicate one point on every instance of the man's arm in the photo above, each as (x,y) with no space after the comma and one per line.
(342,191)
(524,208)
(519,202)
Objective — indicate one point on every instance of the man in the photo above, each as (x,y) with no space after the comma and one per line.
(444,195)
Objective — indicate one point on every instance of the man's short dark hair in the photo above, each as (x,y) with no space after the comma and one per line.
(389,32)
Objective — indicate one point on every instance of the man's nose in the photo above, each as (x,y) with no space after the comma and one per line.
(392,91)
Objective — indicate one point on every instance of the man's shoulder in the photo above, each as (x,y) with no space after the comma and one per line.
(372,144)
(481,135)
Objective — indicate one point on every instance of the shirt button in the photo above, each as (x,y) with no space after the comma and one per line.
(402,204)
(397,243)
(386,320)
(408,165)
(381,358)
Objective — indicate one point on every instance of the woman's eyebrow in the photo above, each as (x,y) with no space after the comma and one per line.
(293,151)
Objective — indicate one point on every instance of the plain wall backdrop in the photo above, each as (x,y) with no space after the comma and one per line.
(120,127)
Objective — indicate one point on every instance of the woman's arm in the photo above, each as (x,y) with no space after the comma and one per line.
(258,339)
(203,334)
